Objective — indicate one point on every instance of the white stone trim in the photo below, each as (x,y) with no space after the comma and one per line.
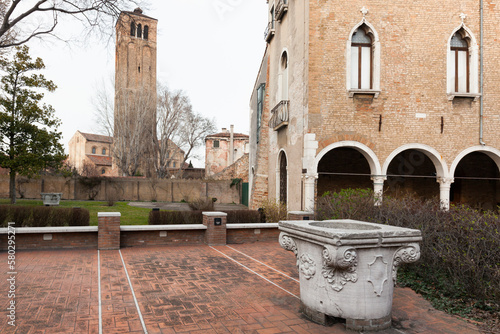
(52,229)
(250,226)
(214,213)
(178,227)
(109,214)
(491,152)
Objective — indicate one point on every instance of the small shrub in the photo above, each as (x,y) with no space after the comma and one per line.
(175,217)
(4,213)
(273,211)
(41,216)
(79,217)
(60,217)
(20,215)
(243,216)
(203,204)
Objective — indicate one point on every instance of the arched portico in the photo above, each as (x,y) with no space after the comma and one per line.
(441,168)
(368,154)
(476,171)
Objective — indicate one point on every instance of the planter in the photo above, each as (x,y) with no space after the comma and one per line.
(51,198)
(347,268)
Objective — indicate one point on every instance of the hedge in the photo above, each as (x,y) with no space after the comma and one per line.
(41,216)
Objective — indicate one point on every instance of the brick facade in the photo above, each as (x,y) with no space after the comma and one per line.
(408,112)
(109,230)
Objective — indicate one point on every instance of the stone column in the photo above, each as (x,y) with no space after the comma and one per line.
(309,191)
(216,227)
(378,188)
(108,230)
(444,192)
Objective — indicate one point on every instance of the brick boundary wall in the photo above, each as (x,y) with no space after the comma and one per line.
(216,227)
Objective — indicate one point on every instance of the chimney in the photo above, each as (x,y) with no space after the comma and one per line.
(224,130)
(231,145)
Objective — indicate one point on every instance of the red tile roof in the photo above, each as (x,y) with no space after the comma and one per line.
(228,135)
(100,160)
(97,138)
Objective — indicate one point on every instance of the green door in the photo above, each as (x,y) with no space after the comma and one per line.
(244,195)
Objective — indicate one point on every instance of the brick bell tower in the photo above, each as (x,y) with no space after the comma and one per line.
(135,86)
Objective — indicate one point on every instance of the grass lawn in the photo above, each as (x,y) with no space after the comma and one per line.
(130,215)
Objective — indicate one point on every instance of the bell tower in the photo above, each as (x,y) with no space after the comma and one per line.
(135,89)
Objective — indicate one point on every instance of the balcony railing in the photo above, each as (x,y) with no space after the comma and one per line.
(281,8)
(279,115)
(269,32)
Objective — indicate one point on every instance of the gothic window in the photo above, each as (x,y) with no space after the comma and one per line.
(103,171)
(459,64)
(283,178)
(139,30)
(462,64)
(361,60)
(132,29)
(146,32)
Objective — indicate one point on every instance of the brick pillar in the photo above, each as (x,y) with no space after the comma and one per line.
(108,230)
(300,215)
(216,227)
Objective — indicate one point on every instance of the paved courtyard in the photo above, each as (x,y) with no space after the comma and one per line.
(247,288)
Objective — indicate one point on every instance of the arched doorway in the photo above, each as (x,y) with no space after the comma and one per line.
(343,167)
(476,182)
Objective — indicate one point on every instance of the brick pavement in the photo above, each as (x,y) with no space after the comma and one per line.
(247,288)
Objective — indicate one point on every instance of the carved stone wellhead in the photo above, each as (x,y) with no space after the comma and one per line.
(348,268)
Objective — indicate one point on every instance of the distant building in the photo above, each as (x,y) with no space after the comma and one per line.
(97,150)
(93,149)
(223,150)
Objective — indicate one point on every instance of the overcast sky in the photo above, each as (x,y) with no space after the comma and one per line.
(211,49)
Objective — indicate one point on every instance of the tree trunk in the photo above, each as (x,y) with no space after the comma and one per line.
(12,187)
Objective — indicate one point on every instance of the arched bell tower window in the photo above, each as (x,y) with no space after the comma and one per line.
(139,31)
(146,32)
(132,29)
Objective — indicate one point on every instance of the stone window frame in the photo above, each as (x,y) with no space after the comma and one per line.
(473,65)
(216,143)
(375,60)
(94,150)
(103,151)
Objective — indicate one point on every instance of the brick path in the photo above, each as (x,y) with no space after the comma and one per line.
(246,288)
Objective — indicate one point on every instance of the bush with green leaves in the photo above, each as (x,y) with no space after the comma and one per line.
(175,217)
(460,251)
(42,216)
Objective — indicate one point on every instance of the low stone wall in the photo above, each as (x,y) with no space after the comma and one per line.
(124,189)
(107,236)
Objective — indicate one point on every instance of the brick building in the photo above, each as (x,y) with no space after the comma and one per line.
(224,149)
(399,97)
(91,149)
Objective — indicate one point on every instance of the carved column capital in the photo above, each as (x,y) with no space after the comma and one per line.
(406,254)
(339,266)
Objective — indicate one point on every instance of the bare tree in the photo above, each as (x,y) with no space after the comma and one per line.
(21,20)
(180,131)
(134,132)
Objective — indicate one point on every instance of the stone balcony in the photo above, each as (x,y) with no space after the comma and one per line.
(281,8)
(279,115)
(269,32)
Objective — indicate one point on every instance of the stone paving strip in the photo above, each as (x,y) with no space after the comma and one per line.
(245,288)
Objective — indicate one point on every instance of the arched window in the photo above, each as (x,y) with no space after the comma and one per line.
(132,29)
(361,60)
(103,171)
(283,76)
(94,150)
(103,151)
(146,32)
(462,64)
(283,178)
(459,49)
(139,31)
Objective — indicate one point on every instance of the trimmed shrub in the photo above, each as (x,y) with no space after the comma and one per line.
(41,216)
(460,251)
(175,217)
(243,216)
(20,215)
(4,213)
(79,217)
(273,212)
